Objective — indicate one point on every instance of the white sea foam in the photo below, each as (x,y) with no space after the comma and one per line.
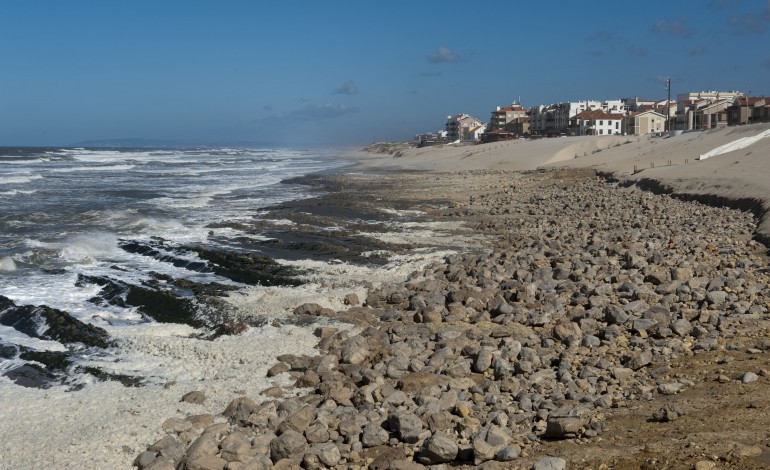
(94,168)
(106,425)
(282,222)
(17,192)
(426,234)
(328,283)
(13,336)
(21,179)
(88,248)
(7,264)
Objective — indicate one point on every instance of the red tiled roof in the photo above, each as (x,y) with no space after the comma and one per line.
(752,100)
(510,109)
(598,114)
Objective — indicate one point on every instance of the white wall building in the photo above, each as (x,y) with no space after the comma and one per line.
(458,127)
(556,118)
(598,122)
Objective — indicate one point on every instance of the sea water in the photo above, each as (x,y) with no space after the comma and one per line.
(65,211)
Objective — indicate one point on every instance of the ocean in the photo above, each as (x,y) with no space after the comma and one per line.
(75,214)
(131,277)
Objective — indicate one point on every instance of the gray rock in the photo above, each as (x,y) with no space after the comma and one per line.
(407,425)
(206,444)
(195,397)
(669,412)
(289,445)
(639,360)
(240,409)
(550,463)
(205,462)
(352,300)
(716,297)
(355,350)
(235,447)
(317,433)
(681,327)
(483,360)
(144,459)
(308,309)
(706,344)
(671,388)
(374,435)
(439,448)
(279,368)
(321,456)
(176,425)
(506,454)
(563,427)
(749,377)
(615,316)
(256,462)
(161,463)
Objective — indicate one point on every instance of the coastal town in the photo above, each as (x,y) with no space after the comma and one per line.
(695,110)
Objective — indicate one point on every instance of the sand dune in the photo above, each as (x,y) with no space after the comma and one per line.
(740,177)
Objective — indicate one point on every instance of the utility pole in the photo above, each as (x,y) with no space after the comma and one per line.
(748,113)
(668,105)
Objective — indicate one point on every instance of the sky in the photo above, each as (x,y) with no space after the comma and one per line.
(300,73)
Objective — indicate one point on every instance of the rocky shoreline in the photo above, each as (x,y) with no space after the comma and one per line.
(580,302)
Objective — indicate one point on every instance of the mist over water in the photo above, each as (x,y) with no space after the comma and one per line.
(66,212)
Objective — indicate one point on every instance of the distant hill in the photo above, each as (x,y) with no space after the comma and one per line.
(390,148)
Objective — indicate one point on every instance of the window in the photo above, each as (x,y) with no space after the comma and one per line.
(601,123)
(617,125)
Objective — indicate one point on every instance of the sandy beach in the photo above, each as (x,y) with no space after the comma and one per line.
(738,175)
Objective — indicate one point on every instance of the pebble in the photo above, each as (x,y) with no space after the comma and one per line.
(579,307)
(551,463)
(749,377)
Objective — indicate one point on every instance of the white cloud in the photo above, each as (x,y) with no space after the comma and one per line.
(443,55)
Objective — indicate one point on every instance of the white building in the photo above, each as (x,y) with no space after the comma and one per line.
(459,126)
(598,122)
(557,118)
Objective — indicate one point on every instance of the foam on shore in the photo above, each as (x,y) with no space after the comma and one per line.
(106,424)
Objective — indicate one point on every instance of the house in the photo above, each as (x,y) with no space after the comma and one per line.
(459,126)
(712,115)
(474,134)
(745,110)
(497,135)
(519,126)
(644,122)
(694,96)
(632,105)
(598,122)
(663,105)
(431,138)
(554,119)
(558,118)
(695,110)
(502,116)
(702,114)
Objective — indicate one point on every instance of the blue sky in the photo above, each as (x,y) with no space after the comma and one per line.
(349,72)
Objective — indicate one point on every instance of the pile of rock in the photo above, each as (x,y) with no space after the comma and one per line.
(586,295)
